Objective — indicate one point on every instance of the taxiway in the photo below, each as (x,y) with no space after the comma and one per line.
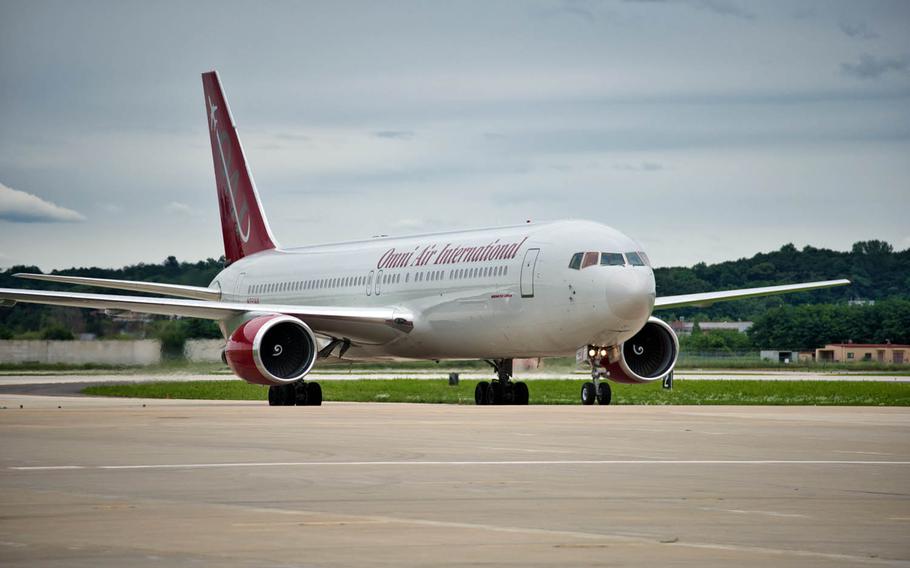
(89,481)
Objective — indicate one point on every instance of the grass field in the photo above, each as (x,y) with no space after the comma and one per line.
(821,393)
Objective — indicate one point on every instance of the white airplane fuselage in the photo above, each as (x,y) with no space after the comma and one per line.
(491,293)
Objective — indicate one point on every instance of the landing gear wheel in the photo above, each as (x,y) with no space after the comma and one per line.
(274,396)
(496,393)
(604,394)
(588,393)
(520,394)
(493,395)
(313,394)
(301,397)
(289,394)
(481,392)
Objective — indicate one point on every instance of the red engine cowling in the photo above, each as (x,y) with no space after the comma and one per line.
(648,356)
(271,350)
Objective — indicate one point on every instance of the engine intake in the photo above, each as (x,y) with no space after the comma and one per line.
(271,350)
(648,356)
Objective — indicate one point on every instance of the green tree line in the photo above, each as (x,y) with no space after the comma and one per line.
(34,321)
(877,272)
(810,326)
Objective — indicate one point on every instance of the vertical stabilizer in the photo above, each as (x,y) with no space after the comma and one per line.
(243,223)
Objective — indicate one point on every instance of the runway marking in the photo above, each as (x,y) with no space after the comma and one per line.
(48,467)
(751,512)
(454,463)
(618,537)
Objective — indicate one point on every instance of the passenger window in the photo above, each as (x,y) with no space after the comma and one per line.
(589,260)
(575,263)
(634,259)
(612,259)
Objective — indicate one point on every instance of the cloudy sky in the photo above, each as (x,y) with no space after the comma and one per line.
(706,129)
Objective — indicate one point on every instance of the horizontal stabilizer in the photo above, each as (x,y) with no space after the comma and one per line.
(706,299)
(178,290)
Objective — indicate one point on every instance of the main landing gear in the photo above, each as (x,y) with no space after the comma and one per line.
(298,393)
(501,390)
(597,389)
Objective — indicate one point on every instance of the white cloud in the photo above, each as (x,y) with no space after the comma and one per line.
(21,207)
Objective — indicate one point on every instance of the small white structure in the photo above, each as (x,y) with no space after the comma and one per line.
(203,350)
(785,356)
(105,352)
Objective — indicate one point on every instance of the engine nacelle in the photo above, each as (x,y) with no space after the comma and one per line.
(271,350)
(648,356)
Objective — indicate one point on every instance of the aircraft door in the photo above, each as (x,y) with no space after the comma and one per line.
(370,283)
(527,273)
(239,291)
(378,289)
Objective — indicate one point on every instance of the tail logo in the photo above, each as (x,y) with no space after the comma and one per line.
(230,179)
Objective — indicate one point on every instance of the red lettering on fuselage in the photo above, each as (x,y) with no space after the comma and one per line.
(430,254)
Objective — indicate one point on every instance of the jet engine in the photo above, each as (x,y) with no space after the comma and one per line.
(648,356)
(271,350)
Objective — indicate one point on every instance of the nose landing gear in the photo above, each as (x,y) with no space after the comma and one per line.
(501,390)
(597,390)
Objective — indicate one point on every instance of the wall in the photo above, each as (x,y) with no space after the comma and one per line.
(203,350)
(140,352)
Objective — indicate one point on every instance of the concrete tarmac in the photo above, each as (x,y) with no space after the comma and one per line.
(186,483)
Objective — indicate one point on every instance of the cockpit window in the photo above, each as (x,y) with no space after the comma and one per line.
(644,257)
(575,263)
(589,260)
(612,259)
(635,259)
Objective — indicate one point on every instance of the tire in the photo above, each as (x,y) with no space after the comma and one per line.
(604,393)
(494,394)
(289,395)
(313,394)
(301,394)
(588,394)
(520,393)
(480,393)
(274,396)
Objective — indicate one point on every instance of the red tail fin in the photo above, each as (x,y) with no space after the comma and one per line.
(243,223)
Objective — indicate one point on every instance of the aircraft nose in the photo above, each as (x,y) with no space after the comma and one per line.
(630,296)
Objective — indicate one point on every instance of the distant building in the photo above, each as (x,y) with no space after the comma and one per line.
(786,355)
(685,327)
(848,352)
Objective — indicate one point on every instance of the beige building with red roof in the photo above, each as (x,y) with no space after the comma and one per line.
(849,352)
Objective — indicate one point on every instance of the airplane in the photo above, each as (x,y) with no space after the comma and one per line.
(523,291)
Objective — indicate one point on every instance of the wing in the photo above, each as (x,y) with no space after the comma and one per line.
(367,325)
(707,298)
(178,290)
